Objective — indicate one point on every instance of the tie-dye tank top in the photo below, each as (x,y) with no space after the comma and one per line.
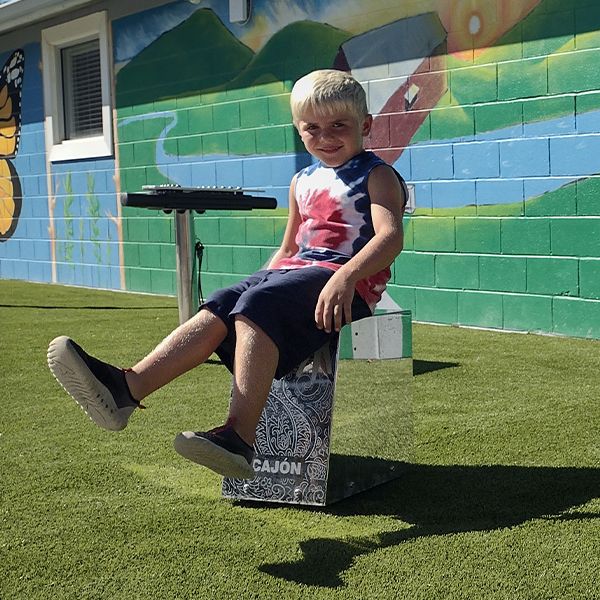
(336,222)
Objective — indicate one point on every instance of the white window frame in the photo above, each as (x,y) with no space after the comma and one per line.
(54,39)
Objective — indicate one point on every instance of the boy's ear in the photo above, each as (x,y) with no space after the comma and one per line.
(367,123)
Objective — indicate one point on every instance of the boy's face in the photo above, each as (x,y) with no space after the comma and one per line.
(333,138)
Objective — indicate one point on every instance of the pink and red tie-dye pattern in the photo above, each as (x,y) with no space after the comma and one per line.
(323,223)
(336,220)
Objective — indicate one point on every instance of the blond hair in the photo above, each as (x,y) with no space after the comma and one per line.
(327,91)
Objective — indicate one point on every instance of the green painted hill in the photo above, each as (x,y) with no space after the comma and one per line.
(292,52)
(199,53)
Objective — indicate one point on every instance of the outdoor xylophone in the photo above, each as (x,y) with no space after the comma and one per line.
(184,201)
(174,197)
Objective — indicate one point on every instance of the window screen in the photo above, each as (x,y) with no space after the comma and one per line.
(82,90)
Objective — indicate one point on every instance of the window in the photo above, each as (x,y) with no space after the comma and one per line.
(76,72)
(82,90)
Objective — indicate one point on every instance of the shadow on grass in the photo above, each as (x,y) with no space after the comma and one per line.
(439,500)
(427,366)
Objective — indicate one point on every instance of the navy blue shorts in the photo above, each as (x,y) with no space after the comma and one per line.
(282,303)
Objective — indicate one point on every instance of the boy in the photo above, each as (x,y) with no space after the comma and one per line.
(343,232)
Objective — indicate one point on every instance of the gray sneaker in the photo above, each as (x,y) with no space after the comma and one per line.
(99,388)
(222,450)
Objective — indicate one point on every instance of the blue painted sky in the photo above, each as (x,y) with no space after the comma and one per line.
(132,34)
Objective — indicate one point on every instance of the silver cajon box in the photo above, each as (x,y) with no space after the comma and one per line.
(306,456)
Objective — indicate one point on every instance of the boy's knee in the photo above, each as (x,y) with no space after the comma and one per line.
(242,322)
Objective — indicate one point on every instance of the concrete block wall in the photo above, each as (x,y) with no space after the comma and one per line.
(491,109)
(67,229)
(232,135)
(24,248)
(504,165)
(506,178)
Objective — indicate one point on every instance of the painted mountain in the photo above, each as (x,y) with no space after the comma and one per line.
(213,56)
(217,61)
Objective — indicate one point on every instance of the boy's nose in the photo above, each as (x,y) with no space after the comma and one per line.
(327,134)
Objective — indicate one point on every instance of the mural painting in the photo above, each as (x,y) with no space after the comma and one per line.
(11,80)
(474,102)
(412,66)
(82,210)
(489,108)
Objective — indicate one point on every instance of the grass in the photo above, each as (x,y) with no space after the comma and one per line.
(501,501)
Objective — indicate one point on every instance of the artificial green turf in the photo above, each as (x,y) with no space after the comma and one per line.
(501,501)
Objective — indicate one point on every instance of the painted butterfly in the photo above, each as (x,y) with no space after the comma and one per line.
(11,82)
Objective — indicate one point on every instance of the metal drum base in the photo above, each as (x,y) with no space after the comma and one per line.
(305,456)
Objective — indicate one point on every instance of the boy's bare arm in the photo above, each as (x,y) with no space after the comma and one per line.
(288,246)
(387,209)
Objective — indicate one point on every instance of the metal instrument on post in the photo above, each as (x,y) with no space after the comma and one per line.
(184,201)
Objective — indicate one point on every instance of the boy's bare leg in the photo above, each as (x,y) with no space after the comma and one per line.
(186,347)
(108,394)
(228,450)
(256,358)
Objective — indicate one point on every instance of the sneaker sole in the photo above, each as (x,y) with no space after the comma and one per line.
(79,382)
(217,459)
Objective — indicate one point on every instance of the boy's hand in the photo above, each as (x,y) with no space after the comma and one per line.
(334,305)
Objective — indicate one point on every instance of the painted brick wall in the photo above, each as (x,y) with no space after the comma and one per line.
(26,253)
(505,168)
(490,109)
(233,135)
(506,177)
(67,228)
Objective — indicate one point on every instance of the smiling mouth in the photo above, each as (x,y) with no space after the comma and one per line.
(330,150)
